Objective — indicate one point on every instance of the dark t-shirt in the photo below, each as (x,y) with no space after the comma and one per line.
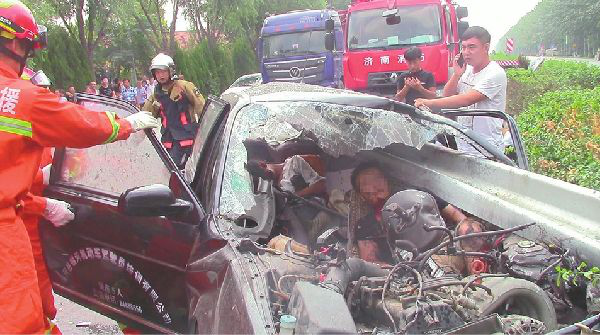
(106,91)
(426,79)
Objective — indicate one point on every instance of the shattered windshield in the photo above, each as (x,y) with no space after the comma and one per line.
(339,130)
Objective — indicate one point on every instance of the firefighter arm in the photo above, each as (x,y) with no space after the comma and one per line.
(34,205)
(62,124)
(196,99)
(150,106)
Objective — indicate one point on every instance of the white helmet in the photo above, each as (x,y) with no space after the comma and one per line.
(163,62)
(40,79)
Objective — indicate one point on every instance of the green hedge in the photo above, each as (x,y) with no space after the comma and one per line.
(65,62)
(561,130)
(525,86)
(214,67)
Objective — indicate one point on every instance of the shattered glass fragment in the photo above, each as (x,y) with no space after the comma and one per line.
(339,130)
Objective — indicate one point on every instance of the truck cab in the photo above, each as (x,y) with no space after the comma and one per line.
(378,32)
(302,47)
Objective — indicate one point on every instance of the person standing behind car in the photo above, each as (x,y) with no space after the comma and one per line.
(92,88)
(70,94)
(140,94)
(105,89)
(128,92)
(478,84)
(416,83)
(179,104)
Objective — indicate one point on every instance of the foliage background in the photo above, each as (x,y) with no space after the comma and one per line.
(573,27)
(558,113)
(91,39)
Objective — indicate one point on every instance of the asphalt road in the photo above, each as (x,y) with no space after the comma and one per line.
(74,319)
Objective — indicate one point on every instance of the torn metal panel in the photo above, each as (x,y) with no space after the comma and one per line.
(565,214)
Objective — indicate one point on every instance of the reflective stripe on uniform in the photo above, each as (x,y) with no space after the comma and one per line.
(52,329)
(15,126)
(183,118)
(186,143)
(115,127)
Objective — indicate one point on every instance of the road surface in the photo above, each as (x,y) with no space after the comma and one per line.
(74,319)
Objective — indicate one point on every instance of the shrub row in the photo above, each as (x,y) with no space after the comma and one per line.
(560,121)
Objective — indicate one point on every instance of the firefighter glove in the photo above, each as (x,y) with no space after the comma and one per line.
(142,120)
(58,212)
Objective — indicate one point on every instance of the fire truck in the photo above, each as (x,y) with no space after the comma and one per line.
(378,32)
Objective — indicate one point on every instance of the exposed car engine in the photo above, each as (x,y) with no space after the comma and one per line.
(511,287)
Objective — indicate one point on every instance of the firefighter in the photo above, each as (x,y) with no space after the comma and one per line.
(32,118)
(179,104)
(36,206)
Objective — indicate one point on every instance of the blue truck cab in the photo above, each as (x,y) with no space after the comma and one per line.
(303,47)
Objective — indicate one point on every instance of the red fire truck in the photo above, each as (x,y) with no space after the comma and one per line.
(378,32)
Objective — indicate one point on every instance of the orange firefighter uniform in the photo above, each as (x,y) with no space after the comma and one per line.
(32,118)
(33,209)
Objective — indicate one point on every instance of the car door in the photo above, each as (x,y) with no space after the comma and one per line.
(136,221)
(516,151)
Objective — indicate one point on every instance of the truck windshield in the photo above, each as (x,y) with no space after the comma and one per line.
(419,25)
(294,44)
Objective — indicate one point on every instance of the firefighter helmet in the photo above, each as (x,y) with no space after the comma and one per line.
(16,21)
(163,62)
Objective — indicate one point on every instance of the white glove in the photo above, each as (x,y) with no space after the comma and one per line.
(58,212)
(46,174)
(142,120)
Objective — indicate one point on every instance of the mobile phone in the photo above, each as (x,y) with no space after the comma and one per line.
(461,60)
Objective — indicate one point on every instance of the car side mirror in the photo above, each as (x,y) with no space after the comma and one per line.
(329,25)
(152,200)
(462,27)
(330,41)
(462,12)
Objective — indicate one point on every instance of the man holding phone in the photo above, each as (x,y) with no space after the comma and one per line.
(478,83)
(416,83)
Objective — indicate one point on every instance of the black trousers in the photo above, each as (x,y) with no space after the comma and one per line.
(179,154)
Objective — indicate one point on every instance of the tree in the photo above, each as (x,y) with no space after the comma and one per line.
(150,15)
(571,26)
(229,19)
(86,21)
(64,62)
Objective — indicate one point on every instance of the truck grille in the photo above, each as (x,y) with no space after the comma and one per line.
(309,71)
(383,80)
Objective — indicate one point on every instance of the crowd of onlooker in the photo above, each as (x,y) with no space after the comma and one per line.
(120,89)
(124,90)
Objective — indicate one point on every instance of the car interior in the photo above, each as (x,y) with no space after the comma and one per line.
(345,208)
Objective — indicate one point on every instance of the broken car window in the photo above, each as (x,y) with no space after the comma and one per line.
(116,167)
(338,129)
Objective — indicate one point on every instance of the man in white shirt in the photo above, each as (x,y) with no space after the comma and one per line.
(479,84)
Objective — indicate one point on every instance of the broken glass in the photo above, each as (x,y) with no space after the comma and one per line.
(339,130)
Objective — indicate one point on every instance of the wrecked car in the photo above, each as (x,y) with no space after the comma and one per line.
(211,249)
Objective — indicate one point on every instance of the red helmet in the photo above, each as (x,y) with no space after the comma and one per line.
(16,21)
